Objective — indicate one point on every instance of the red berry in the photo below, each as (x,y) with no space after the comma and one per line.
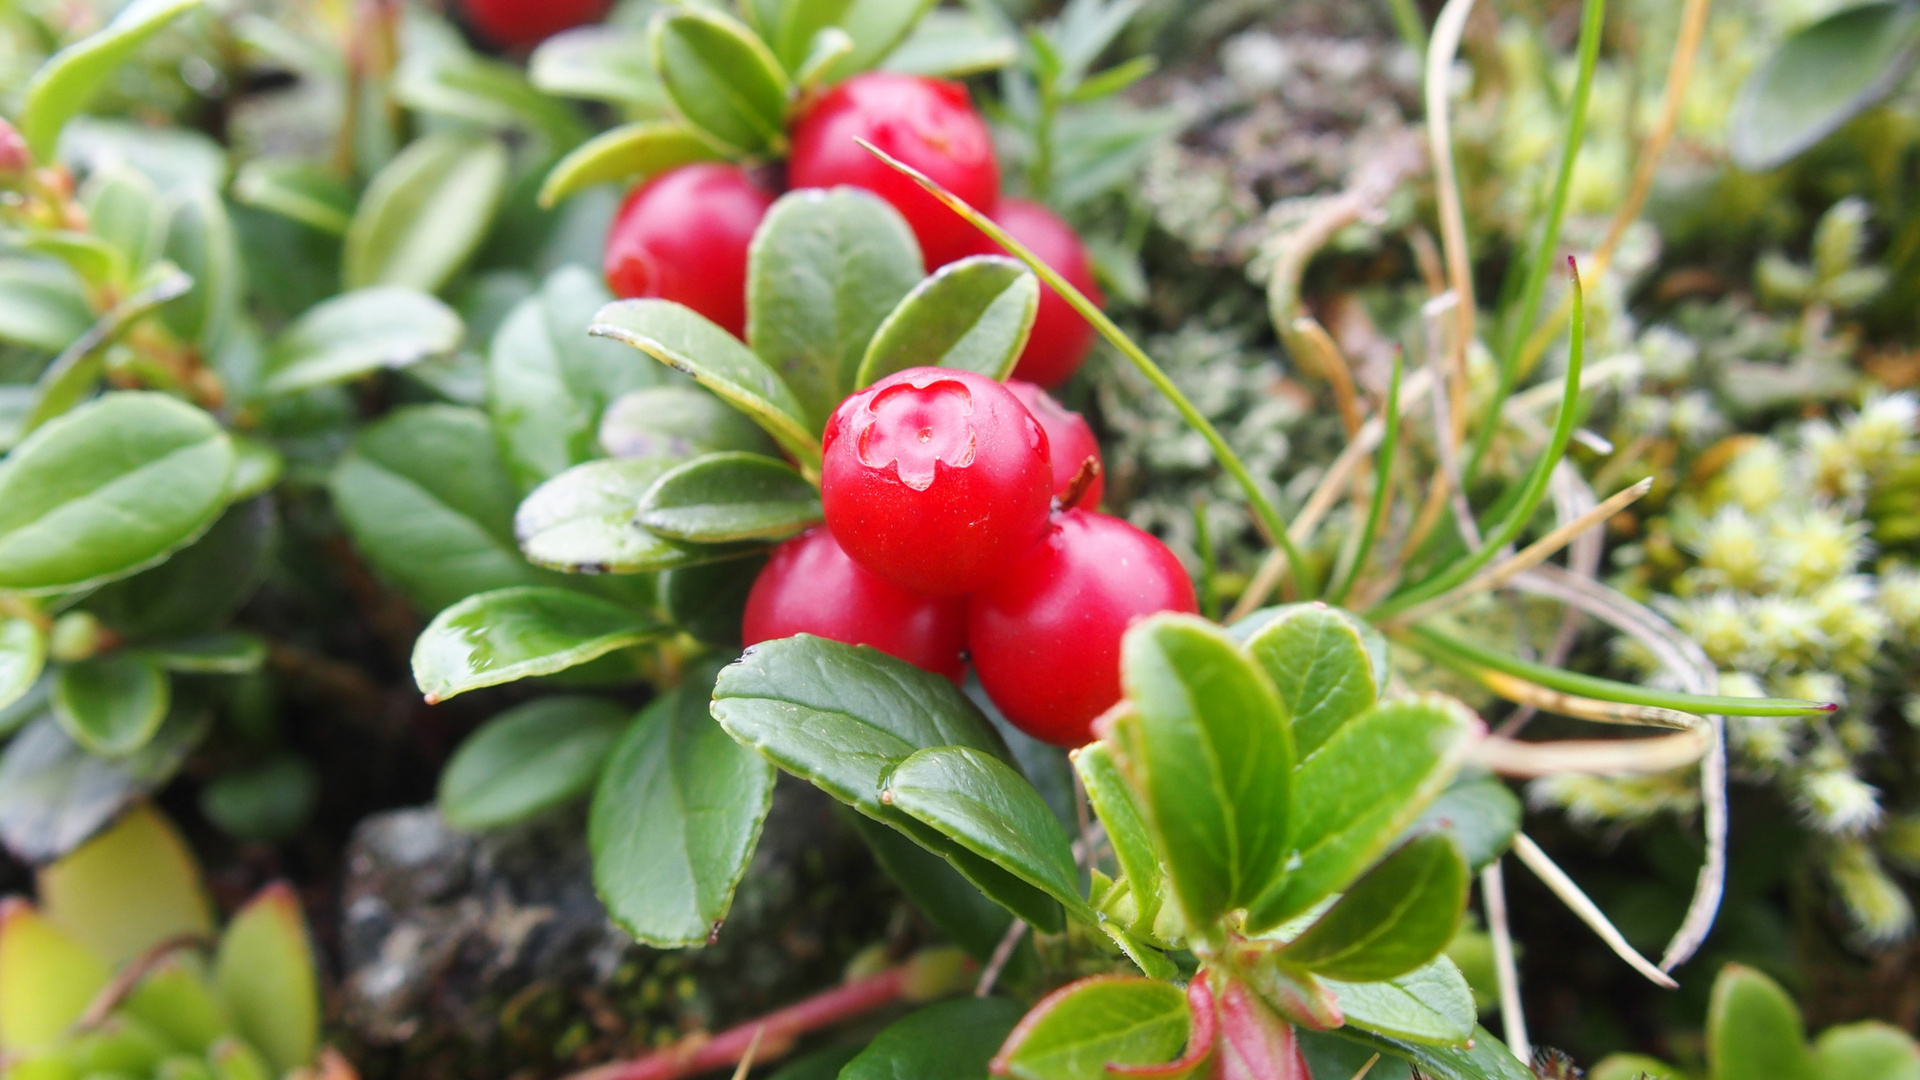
(1070,441)
(935,479)
(1045,638)
(1061,337)
(929,124)
(683,236)
(809,586)
(516,24)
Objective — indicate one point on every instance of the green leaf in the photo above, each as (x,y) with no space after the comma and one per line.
(111,704)
(199,587)
(382,326)
(825,268)
(973,314)
(1320,669)
(1327,1054)
(949,901)
(979,802)
(678,422)
(1076,1032)
(228,652)
(123,208)
(97,262)
(1818,79)
(490,93)
(498,637)
(265,973)
(682,339)
(675,820)
(876,27)
(1868,1050)
(581,522)
(823,1064)
(23,653)
(294,188)
(269,802)
(1479,812)
(721,78)
(47,979)
(1486,1059)
(42,304)
(953,1040)
(1360,791)
(1126,826)
(529,759)
(202,242)
(1430,1004)
(548,382)
(71,378)
(708,600)
(256,468)
(1633,1067)
(630,153)
(129,889)
(63,86)
(1212,759)
(1754,1031)
(54,795)
(789,27)
(429,504)
(108,489)
(600,63)
(953,44)
(1397,917)
(727,497)
(424,214)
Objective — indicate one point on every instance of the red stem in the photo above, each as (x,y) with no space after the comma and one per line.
(777,1031)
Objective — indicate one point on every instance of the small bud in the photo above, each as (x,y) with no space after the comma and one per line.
(77,636)
(935,973)
(15,158)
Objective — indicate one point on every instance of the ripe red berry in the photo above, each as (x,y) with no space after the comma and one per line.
(1045,638)
(935,479)
(809,586)
(1070,441)
(929,124)
(1061,337)
(516,24)
(683,236)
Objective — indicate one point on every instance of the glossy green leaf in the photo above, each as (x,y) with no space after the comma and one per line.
(789,27)
(123,208)
(172,157)
(47,979)
(949,901)
(199,587)
(876,27)
(675,820)
(1320,669)
(1754,1031)
(63,86)
(1076,1032)
(1633,1067)
(1487,1058)
(382,326)
(728,497)
(264,970)
(510,634)
(721,78)
(548,382)
(111,704)
(294,188)
(973,314)
(265,803)
(600,63)
(1430,1004)
(825,268)
(54,795)
(953,1040)
(1327,1054)
(708,600)
(1397,917)
(822,1064)
(682,339)
(127,890)
(97,262)
(491,93)
(678,422)
(979,802)
(229,652)
(581,522)
(1360,791)
(1818,79)
(1868,1050)
(429,504)
(108,489)
(424,214)
(202,242)
(1213,761)
(256,468)
(531,758)
(1479,812)
(1126,823)
(628,154)
(42,304)
(23,654)
(948,44)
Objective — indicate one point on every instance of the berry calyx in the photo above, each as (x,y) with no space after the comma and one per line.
(1061,338)
(810,586)
(517,24)
(935,479)
(683,236)
(1045,638)
(929,124)
(1070,443)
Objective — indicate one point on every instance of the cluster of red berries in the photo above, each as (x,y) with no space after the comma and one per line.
(683,235)
(954,533)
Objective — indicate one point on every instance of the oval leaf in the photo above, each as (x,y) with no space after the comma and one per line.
(128,889)
(23,653)
(47,979)
(424,214)
(384,326)
(1077,1031)
(107,489)
(1754,1030)
(1126,826)
(1868,1050)
(64,85)
(265,973)
(1398,916)
(1482,815)
(297,189)
(1819,78)
(1430,1004)
(600,63)
(1319,667)
(54,795)
(1483,1058)
(953,1040)
(675,820)
(678,422)
(721,78)
(720,498)
(42,304)
(876,27)
(973,314)
(531,758)
(630,153)
(510,634)
(581,522)
(111,704)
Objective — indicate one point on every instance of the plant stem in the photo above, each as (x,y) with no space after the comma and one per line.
(1263,508)
(1382,483)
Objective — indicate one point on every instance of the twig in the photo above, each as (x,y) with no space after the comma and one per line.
(1313,340)
(1589,912)
(1002,953)
(1367,1068)
(1513,1021)
(129,978)
(746,1059)
(1592,757)
(1441,50)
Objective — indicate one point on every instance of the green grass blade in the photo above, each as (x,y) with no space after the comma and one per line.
(1382,484)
